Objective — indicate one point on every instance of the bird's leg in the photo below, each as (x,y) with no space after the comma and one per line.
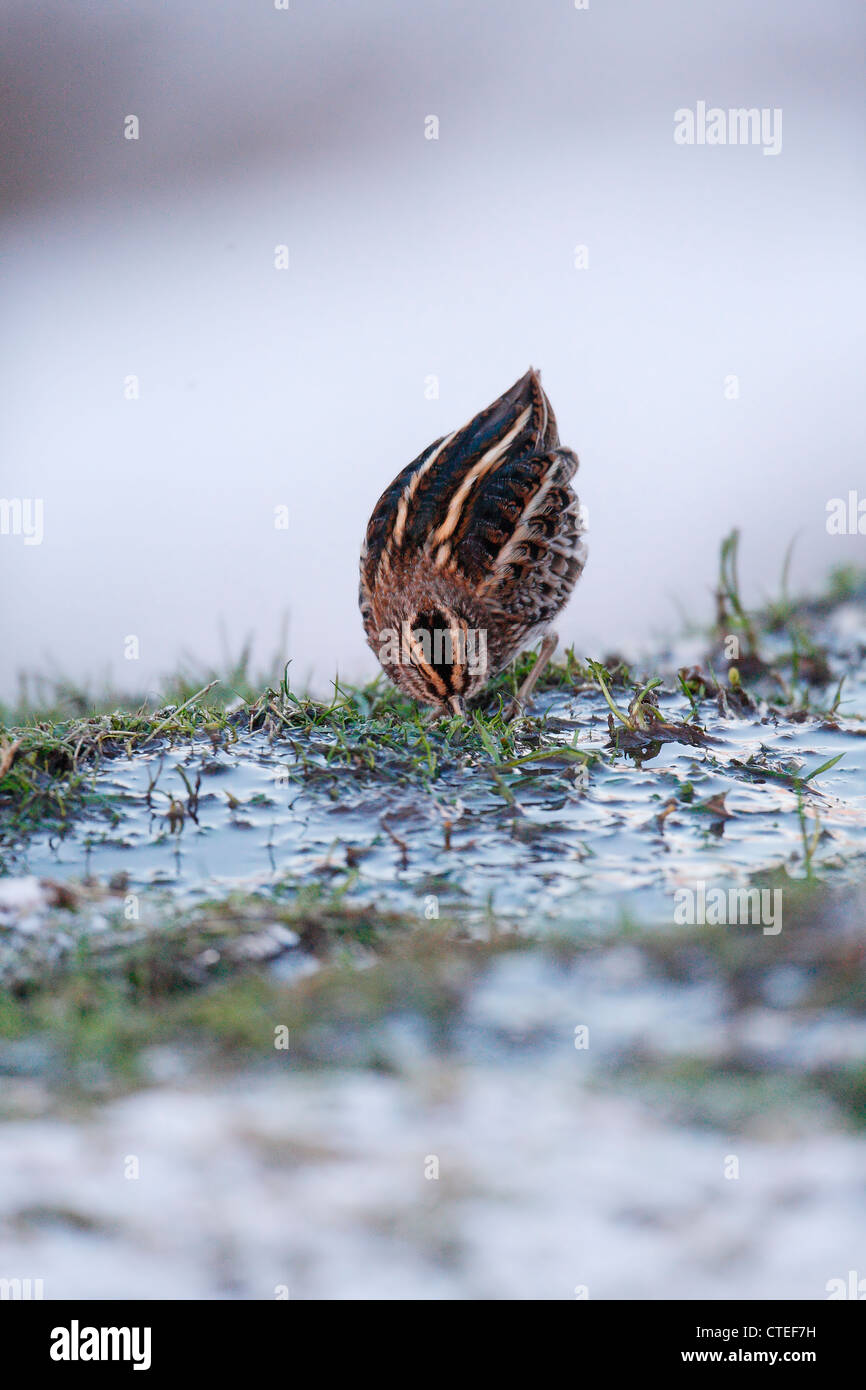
(548,647)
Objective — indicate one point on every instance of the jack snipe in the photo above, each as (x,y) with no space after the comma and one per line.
(472,551)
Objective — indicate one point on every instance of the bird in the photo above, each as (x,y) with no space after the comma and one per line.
(472,551)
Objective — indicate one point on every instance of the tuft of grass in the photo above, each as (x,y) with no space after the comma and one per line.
(732,617)
(48,777)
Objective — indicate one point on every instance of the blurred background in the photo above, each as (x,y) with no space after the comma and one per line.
(412,259)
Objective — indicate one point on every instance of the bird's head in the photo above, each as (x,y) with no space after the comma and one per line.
(436,655)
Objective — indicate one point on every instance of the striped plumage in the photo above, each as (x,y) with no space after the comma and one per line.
(479,534)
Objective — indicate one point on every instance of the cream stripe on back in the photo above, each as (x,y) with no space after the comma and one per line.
(483,466)
(396,536)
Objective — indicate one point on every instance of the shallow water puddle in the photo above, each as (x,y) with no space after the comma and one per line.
(539,838)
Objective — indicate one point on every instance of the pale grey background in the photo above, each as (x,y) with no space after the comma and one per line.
(411,257)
